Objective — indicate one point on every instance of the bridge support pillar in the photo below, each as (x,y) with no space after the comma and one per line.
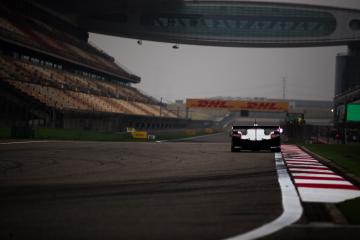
(347,85)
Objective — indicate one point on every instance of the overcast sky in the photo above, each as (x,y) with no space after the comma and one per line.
(202,71)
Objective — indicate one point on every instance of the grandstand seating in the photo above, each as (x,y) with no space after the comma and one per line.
(72,88)
(35,33)
(65,90)
(10,27)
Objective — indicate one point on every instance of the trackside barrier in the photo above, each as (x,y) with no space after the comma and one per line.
(208,130)
(5,132)
(22,132)
(151,137)
(130,130)
(190,132)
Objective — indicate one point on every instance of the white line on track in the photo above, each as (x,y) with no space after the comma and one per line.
(306,165)
(290,201)
(23,142)
(190,138)
(340,182)
(327,195)
(315,175)
(302,159)
(299,157)
(289,155)
(293,169)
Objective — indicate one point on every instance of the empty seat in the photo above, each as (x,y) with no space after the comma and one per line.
(65,90)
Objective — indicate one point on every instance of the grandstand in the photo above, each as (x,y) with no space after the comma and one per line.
(48,69)
(63,90)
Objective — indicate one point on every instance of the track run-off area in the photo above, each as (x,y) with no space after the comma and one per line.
(189,189)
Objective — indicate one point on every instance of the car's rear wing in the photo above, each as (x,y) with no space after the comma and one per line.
(268,129)
(254,127)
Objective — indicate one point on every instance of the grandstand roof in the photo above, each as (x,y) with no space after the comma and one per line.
(30,28)
(226,23)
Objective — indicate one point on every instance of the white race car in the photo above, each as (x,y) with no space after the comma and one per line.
(255,138)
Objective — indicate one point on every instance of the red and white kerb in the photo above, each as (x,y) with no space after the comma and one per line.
(316,182)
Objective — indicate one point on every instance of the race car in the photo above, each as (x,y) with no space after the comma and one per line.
(255,138)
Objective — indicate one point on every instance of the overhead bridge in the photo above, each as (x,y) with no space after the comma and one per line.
(222,23)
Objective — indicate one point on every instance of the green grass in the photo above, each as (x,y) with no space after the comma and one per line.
(351,210)
(5,132)
(180,135)
(74,134)
(347,156)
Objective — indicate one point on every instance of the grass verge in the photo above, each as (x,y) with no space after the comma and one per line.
(5,133)
(347,156)
(75,134)
(351,210)
(181,134)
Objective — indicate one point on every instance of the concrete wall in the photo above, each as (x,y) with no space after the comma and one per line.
(107,122)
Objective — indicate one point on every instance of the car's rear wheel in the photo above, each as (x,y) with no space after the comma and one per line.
(233,149)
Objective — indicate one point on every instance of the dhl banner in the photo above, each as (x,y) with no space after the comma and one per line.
(190,132)
(208,130)
(140,134)
(238,105)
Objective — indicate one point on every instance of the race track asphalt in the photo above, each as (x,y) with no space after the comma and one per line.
(195,189)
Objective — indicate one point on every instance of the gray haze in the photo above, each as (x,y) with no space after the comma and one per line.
(201,71)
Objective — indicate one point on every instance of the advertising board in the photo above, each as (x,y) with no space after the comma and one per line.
(353,112)
(238,105)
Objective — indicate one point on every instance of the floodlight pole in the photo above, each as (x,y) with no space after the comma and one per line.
(346,125)
(284,87)
(160,106)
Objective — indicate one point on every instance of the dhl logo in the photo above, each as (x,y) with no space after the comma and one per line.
(246,105)
(262,105)
(212,103)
